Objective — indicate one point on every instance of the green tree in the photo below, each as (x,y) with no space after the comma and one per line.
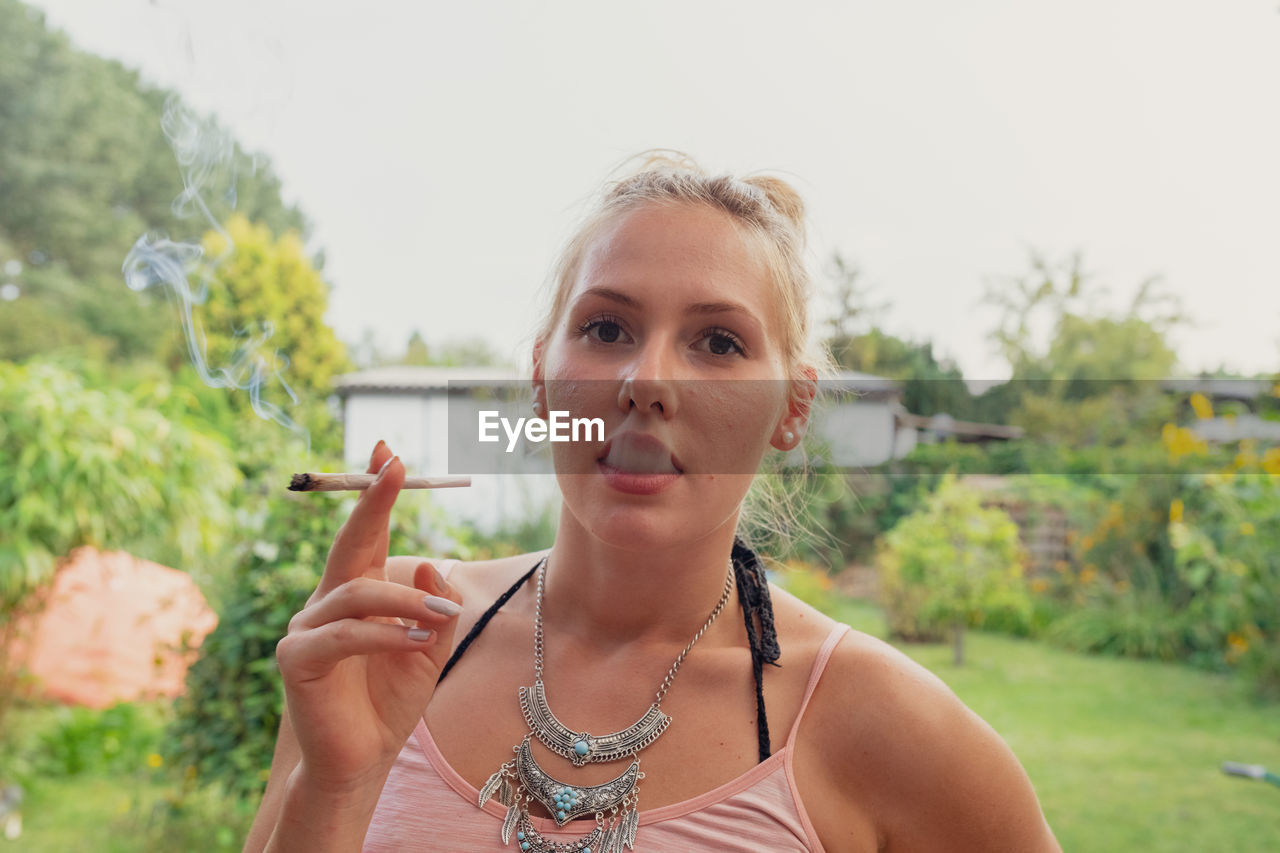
(1081,374)
(1085,344)
(951,564)
(261,327)
(85,168)
(416,353)
(856,342)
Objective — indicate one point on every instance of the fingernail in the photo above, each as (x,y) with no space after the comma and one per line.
(419,634)
(438,579)
(443,606)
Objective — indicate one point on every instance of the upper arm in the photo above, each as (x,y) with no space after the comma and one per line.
(888,738)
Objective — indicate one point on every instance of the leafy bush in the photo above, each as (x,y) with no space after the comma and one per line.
(808,583)
(949,565)
(1141,626)
(1227,551)
(80,466)
(119,739)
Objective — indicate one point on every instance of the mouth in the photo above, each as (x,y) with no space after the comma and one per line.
(638,453)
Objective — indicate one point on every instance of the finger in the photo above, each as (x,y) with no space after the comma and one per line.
(361,542)
(364,598)
(381,453)
(428,579)
(307,655)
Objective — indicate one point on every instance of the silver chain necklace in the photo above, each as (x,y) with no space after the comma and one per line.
(521,781)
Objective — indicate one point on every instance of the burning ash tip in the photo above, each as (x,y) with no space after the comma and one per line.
(300,483)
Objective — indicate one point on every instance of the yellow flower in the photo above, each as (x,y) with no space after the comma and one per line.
(155,759)
(1246,528)
(1271,460)
(1181,441)
(1088,574)
(1238,642)
(1175,510)
(1204,409)
(1039,585)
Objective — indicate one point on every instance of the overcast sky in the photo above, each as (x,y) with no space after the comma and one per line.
(443,150)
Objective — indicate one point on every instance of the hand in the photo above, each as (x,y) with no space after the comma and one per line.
(356,677)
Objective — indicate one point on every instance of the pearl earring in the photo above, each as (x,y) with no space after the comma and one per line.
(788,437)
(537,409)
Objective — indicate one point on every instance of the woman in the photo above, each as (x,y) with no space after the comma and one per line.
(679,317)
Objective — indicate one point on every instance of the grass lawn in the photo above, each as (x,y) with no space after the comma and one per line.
(1123,754)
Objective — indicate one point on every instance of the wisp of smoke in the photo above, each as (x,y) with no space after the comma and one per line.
(206,156)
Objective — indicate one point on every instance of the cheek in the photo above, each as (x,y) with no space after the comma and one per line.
(739,418)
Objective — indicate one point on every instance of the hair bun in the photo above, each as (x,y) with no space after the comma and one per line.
(782,196)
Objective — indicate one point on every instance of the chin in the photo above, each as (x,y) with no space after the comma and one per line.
(685,511)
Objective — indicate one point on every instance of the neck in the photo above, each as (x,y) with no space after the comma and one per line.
(614,596)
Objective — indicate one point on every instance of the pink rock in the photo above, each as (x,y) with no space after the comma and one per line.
(116,629)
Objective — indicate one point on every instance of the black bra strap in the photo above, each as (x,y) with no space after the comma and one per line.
(484,620)
(757,609)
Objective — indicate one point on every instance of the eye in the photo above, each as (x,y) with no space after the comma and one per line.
(720,342)
(605,329)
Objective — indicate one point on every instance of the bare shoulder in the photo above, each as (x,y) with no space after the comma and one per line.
(886,737)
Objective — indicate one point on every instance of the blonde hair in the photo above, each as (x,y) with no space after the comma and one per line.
(765,207)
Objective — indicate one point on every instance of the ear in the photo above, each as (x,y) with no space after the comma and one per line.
(801,394)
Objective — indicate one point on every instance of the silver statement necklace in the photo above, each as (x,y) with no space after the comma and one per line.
(521,781)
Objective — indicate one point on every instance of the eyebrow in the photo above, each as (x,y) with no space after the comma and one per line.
(610,294)
(698,308)
(719,308)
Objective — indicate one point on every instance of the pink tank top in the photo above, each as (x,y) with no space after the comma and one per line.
(427,807)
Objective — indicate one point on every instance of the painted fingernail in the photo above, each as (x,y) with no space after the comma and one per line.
(419,634)
(443,606)
(439,580)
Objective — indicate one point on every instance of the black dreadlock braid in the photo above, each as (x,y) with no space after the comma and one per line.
(757,612)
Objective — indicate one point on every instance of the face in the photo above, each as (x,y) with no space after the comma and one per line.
(672,336)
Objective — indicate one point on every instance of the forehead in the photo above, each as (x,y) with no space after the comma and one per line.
(679,254)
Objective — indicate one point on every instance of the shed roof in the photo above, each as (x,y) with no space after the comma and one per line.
(404,379)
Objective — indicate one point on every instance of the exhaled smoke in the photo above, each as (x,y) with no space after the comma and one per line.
(206,156)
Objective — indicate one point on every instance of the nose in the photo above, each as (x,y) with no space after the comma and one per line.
(648,384)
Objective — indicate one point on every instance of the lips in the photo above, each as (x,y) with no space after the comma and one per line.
(639,453)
